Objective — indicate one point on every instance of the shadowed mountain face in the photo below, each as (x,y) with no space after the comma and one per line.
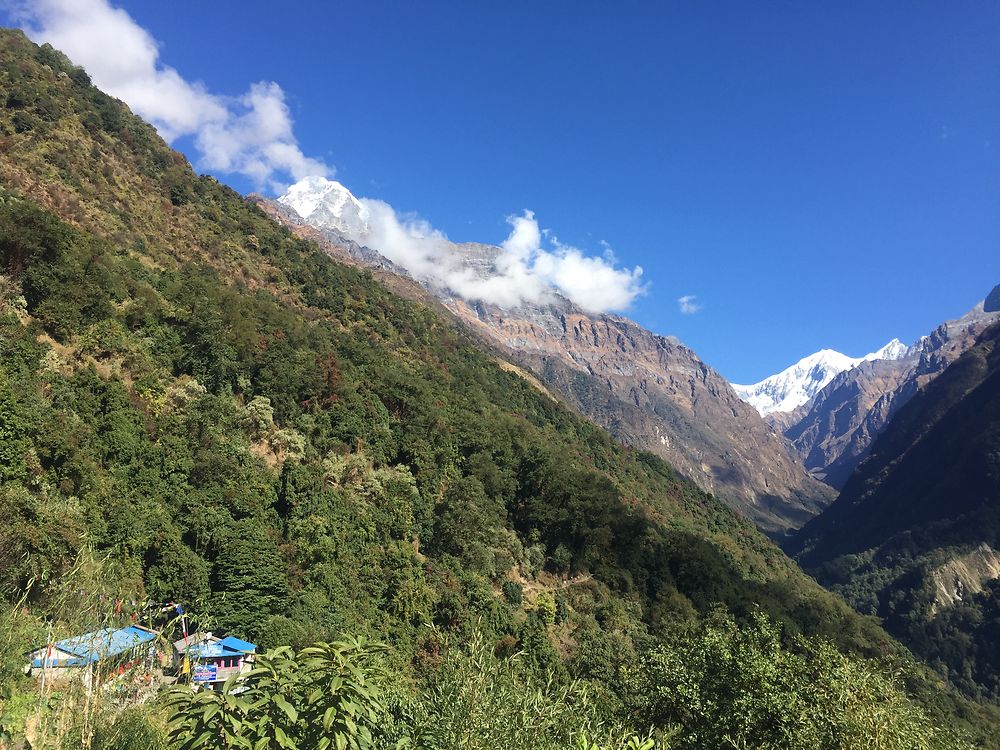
(653,392)
(992,302)
(834,431)
(649,391)
(936,463)
(914,535)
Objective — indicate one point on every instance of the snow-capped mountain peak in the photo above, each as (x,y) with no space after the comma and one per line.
(327,204)
(895,349)
(795,385)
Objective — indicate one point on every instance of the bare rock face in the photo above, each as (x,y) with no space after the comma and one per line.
(653,392)
(964,576)
(834,431)
(649,391)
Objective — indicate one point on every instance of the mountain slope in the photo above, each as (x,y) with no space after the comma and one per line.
(196,406)
(653,392)
(275,439)
(913,534)
(649,391)
(835,429)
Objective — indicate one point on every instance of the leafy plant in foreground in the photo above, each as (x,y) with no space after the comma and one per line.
(327,695)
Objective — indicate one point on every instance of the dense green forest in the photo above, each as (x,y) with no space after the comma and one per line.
(920,514)
(196,406)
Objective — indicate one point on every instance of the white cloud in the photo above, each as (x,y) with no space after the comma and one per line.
(258,142)
(252,135)
(522,270)
(688,304)
(249,135)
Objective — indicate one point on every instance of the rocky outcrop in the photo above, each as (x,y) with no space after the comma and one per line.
(964,576)
(653,392)
(931,479)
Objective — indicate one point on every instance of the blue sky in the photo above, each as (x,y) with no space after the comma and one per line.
(815,174)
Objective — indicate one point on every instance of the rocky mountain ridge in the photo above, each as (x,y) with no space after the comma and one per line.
(183,365)
(649,391)
(653,392)
(834,431)
(913,535)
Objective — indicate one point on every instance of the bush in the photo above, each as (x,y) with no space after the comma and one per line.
(133,729)
(722,685)
(513,592)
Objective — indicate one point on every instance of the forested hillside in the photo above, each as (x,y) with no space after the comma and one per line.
(913,535)
(650,392)
(196,406)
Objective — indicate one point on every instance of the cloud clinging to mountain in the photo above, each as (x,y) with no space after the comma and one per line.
(529,266)
(250,135)
(527,270)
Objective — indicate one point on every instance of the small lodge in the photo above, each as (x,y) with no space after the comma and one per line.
(205,659)
(211,660)
(113,649)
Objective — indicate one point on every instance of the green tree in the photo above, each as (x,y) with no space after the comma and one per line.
(250,580)
(722,685)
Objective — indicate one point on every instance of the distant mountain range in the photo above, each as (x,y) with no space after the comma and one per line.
(795,385)
(831,407)
(773,449)
(194,396)
(650,391)
(913,538)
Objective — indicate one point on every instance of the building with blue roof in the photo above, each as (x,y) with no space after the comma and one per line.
(211,660)
(114,646)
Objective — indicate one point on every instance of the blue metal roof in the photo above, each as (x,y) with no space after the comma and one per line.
(93,647)
(230,646)
(236,644)
(204,650)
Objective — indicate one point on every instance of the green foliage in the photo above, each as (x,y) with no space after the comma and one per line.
(339,696)
(250,580)
(324,696)
(15,638)
(64,276)
(545,606)
(132,729)
(513,592)
(723,685)
(175,571)
(715,685)
(15,431)
(477,701)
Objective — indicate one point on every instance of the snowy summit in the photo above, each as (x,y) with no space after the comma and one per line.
(328,205)
(795,385)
